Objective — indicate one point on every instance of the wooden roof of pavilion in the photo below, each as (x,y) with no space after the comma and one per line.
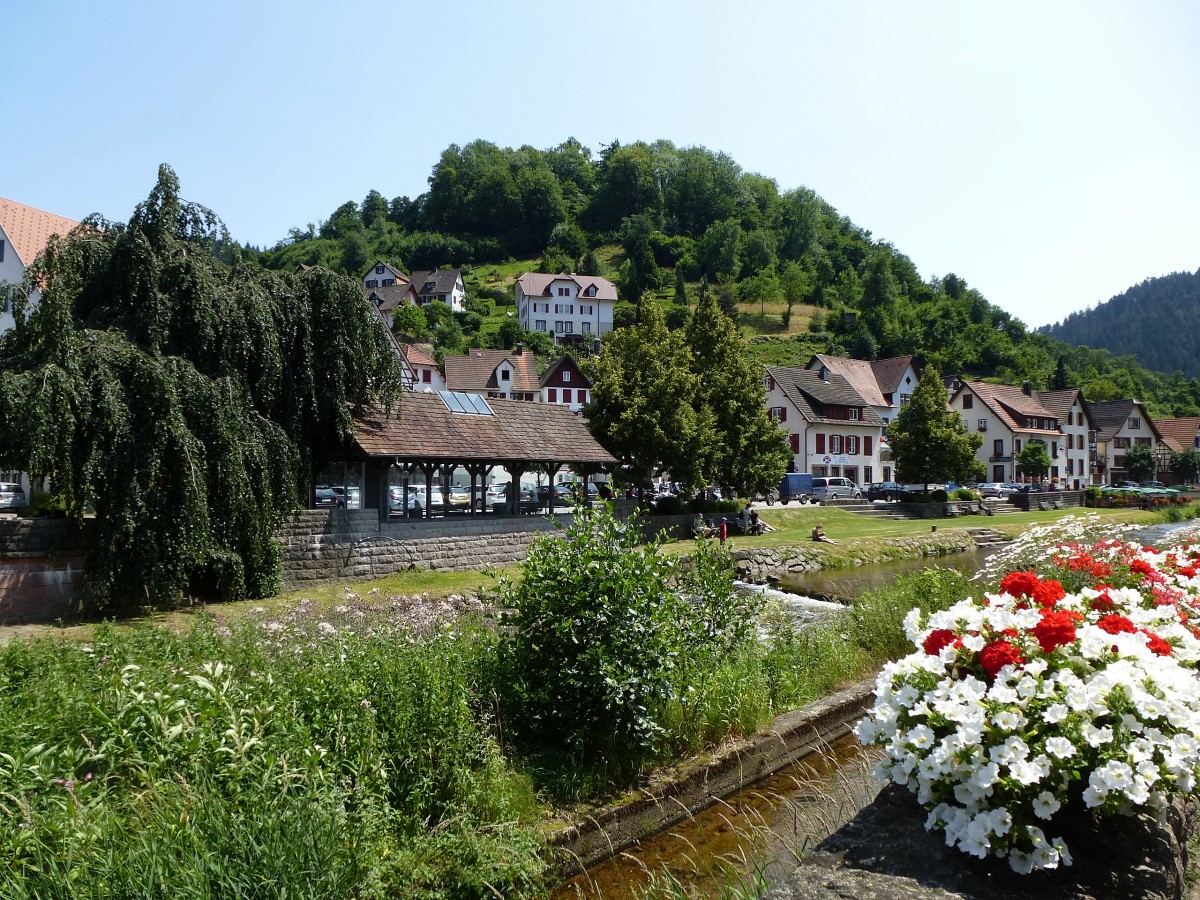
(424,428)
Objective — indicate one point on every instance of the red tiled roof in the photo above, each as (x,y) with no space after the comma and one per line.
(537,284)
(803,387)
(1008,401)
(476,371)
(416,356)
(1179,434)
(30,229)
(424,428)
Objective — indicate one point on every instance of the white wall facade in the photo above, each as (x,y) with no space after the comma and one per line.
(849,449)
(565,314)
(1135,430)
(1072,468)
(12,273)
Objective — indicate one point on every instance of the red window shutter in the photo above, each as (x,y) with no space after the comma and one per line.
(551,395)
(867,445)
(794,440)
(582,396)
(566,395)
(820,443)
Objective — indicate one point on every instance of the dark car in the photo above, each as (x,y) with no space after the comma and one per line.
(326,497)
(884,490)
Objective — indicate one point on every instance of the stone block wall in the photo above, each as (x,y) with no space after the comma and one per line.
(42,564)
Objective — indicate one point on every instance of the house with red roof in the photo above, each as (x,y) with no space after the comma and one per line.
(24,234)
(421,372)
(1010,418)
(494,374)
(886,384)
(574,309)
(831,429)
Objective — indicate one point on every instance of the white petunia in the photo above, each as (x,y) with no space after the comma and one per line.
(1054,713)
(1045,805)
(1060,747)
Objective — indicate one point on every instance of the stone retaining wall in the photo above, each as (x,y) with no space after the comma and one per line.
(761,563)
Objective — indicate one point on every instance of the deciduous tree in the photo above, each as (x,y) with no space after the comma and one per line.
(1033,461)
(929,442)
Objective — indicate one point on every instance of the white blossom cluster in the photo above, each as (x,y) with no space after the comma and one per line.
(1103,716)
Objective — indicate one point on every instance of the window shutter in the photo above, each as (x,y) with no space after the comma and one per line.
(820,443)
(551,395)
(794,441)
(867,445)
(783,414)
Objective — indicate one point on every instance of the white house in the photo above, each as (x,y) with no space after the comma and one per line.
(886,384)
(425,374)
(1120,425)
(24,233)
(440,286)
(383,275)
(565,385)
(575,309)
(832,430)
(1009,418)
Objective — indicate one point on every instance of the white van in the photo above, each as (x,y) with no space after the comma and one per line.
(835,489)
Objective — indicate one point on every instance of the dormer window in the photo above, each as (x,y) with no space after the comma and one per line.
(505,375)
(591,291)
(854,413)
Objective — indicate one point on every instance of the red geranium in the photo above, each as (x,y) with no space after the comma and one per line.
(1141,567)
(1115,624)
(1047,593)
(1187,572)
(938,639)
(1019,584)
(998,654)
(1156,644)
(1055,630)
(1103,603)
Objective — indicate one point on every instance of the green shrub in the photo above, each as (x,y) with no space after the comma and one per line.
(605,635)
(44,503)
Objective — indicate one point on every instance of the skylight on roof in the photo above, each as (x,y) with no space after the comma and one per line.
(465,404)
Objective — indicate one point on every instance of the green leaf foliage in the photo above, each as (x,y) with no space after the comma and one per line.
(1033,461)
(929,442)
(185,400)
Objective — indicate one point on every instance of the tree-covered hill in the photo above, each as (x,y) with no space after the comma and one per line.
(1157,321)
(667,221)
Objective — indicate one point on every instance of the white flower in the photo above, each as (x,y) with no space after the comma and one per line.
(1060,747)
(1097,737)
(1045,805)
(1054,713)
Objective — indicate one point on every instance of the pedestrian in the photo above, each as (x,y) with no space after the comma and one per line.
(723,530)
(818,534)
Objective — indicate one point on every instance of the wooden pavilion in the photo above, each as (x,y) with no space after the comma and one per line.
(437,433)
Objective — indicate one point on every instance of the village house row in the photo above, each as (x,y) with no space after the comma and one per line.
(834,411)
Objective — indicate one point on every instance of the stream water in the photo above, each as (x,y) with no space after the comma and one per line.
(757,834)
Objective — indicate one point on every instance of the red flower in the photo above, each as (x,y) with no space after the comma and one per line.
(1047,593)
(1187,572)
(998,654)
(1055,630)
(1115,624)
(938,639)
(1155,643)
(1019,584)
(1104,603)
(1141,567)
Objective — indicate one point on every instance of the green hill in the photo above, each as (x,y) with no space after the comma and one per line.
(665,222)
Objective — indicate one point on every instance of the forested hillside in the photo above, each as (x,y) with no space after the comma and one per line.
(665,222)
(1157,321)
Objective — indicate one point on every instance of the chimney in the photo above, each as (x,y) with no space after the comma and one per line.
(519,349)
(1027,388)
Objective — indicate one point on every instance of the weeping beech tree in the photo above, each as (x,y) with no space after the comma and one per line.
(183,398)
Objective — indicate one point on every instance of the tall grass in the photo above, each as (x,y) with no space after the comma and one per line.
(341,753)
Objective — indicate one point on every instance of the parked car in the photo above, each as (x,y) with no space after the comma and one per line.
(460,495)
(997,489)
(324,497)
(12,495)
(348,497)
(835,489)
(416,502)
(1153,484)
(884,490)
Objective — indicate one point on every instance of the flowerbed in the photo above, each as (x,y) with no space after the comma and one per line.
(1072,684)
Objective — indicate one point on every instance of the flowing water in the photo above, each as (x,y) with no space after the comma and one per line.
(755,835)
(847,583)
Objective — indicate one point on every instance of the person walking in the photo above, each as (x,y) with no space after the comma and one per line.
(723,530)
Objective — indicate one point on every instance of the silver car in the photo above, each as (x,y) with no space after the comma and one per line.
(12,495)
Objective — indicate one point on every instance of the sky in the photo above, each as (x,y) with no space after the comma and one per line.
(1048,153)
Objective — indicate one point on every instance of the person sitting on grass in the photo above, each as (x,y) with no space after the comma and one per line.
(819,535)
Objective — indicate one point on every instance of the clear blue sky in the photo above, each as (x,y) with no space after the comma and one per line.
(1049,153)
